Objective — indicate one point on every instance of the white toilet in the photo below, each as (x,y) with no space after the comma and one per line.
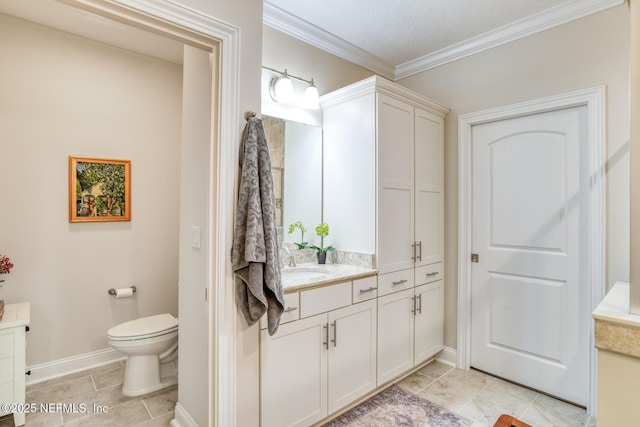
(151,346)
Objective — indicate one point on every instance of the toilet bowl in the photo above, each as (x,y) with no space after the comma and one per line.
(151,346)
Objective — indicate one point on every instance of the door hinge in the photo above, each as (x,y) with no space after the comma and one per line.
(475,258)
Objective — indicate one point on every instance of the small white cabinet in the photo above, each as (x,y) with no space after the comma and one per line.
(318,364)
(12,357)
(410,329)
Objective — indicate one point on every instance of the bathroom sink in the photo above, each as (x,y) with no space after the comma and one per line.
(304,274)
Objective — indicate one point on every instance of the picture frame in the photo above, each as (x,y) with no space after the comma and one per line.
(99,190)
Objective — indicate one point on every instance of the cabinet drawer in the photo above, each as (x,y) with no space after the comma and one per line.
(396,281)
(428,273)
(6,345)
(325,299)
(291,310)
(365,289)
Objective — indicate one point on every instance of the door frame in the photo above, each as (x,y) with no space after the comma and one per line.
(593,99)
(195,28)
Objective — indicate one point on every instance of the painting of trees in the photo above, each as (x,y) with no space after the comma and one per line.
(101,190)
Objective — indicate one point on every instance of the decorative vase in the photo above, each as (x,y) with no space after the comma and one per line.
(322,257)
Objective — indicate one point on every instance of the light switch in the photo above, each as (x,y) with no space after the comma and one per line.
(195,237)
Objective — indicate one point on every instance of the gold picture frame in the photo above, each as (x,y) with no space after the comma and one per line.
(99,190)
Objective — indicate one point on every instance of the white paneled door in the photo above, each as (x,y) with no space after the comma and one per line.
(530,285)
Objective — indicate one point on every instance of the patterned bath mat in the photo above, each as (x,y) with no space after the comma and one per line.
(395,407)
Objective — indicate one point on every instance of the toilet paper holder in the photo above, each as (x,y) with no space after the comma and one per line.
(112,291)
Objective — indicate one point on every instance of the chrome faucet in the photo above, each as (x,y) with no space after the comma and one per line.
(292,259)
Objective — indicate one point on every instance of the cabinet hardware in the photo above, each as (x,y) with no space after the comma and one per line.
(475,258)
(290,309)
(433,273)
(335,333)
(326,336)
(413,257)
(28,372)
(419,297)
(372,288)
(413,301)
(27,328)
(420,253)
(399,282)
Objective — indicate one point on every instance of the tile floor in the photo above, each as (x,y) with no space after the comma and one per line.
(472,394)
(100,386)
(483,398)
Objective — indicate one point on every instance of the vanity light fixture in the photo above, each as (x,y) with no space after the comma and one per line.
(281,89)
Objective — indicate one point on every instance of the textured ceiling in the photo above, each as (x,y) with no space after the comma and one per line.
(399,32)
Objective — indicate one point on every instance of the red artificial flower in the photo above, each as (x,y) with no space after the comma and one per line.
(5,265)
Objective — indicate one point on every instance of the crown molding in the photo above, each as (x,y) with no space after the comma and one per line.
(300,29)
(533,24)
(282,20)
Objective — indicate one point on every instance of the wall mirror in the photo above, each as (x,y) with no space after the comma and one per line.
(296,161)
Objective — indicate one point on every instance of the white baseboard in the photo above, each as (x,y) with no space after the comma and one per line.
(448,356)
(182,418)
(57,368)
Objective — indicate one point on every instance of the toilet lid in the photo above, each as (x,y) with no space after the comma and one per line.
(144,326)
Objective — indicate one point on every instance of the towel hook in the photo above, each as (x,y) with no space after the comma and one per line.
(249,114)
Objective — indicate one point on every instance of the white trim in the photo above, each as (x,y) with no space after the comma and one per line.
(182,418)
(533,24)
(448,356)
(193,27)
(69,365)
(594,100)
(289,24)
(284,21)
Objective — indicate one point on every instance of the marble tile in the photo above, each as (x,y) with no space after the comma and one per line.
(62,391)
(482,413)
(508,397)
(161,402)
(43,419)
(97,401)
(163,421)
(435,369)
(127,414)
(58,380)
(548,412)
(472,381)
(449,394)
(109,378)
(415,383)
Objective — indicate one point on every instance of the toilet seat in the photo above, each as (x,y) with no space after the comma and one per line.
(145,327)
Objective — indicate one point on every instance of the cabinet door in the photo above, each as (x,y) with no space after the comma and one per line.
(429,321)
(395,184)
(395,334)
(429,201)
(293,365)
(352,353)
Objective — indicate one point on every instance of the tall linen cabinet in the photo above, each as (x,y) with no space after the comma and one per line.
(384,194)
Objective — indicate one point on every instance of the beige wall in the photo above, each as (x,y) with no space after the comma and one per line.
(585,53)
(329,72)
(63,95)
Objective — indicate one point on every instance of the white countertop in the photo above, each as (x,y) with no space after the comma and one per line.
(15,315)
(615,307)
(332,273)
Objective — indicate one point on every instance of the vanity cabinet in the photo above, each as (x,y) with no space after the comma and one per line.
(321,363)
(410,329)
(383,180)
(12,357)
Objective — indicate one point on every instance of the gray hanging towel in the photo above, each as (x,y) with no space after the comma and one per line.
(254,255)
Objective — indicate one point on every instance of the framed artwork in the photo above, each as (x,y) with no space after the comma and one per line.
(99,190)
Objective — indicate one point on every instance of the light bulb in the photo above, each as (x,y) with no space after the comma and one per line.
(311,97)
(281,88)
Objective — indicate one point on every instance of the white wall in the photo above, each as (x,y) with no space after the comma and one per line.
(63,95)
(585,53)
